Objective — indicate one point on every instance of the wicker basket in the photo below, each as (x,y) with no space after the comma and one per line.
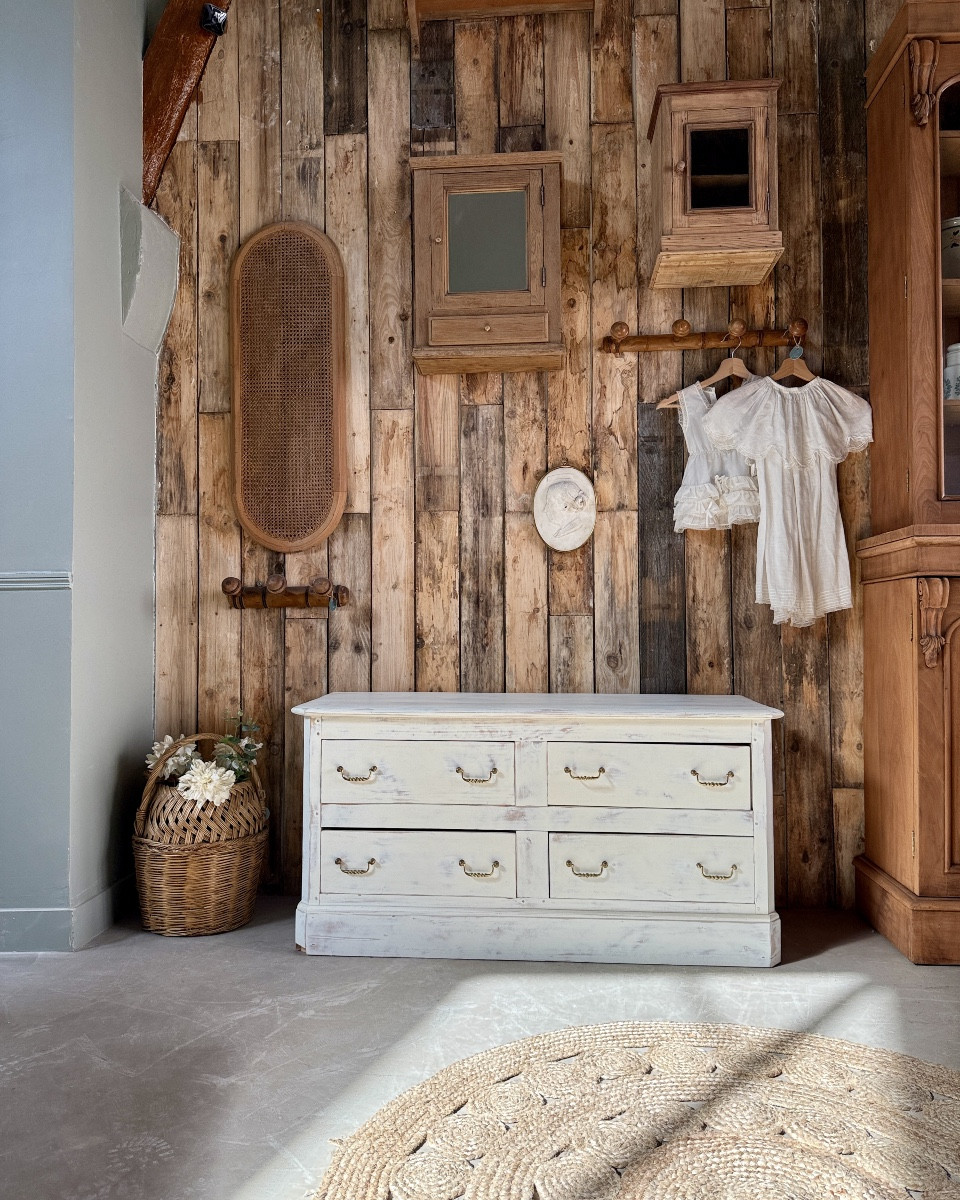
(198,870)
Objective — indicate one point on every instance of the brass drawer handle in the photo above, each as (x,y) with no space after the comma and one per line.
(357,778)
(478,874)
(711,782)
(371,863)
(569,771)
(588,874)
(474,779)
(706,874)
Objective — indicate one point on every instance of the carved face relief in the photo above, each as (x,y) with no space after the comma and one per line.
(565,508)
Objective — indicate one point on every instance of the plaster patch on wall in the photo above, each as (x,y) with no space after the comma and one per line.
(149,270)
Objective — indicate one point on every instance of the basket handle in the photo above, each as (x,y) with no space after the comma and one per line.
(152,779)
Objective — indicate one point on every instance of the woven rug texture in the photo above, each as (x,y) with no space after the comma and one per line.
(664,1111)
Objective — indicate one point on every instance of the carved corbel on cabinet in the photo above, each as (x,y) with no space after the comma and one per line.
(934,595)
(924,55)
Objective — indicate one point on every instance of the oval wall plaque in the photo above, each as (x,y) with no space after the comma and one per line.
(289,378)
(565,508)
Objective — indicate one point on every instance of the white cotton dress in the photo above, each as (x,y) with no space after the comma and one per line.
(718,489)
(796,437)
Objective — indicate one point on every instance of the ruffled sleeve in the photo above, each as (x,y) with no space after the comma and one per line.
(818,420)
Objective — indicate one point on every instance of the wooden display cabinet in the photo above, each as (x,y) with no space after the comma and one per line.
(908,880)
(486,238)
(715,160)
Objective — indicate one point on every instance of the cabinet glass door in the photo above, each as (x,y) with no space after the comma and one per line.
(948,109)
(720,168)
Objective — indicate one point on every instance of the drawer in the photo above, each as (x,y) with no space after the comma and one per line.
(488,331)
(417,863)
(635,866)
(375,772)
(648,775)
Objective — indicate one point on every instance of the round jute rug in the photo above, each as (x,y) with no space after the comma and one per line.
(664,1112)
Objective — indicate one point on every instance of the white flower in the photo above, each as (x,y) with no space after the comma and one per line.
(177,763)
(206,781)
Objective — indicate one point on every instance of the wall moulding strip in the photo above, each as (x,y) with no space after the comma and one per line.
(35,581)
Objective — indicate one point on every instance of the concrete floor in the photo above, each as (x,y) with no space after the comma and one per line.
(153,1068)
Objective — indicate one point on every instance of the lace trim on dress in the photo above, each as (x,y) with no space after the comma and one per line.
(728,500)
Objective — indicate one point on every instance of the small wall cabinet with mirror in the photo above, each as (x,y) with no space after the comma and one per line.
(908,879)
(715,156)
(486,235)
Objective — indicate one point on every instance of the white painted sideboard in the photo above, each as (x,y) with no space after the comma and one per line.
(630,829)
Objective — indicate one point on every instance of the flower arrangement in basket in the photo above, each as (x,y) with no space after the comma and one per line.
(200,833)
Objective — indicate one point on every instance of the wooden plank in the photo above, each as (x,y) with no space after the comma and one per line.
(709,635)
(611,73)
(655,8)
(660,440)
(177,367)
(301,89)
(795,55)
(392,571)
(481,389)
(344,66)
(799,276)
(349,628)
(846,632)
(432,92)
(346,165)
(749,43)
(260,178)
(386,14)
(569,441)
(614,298)
(702,34)
(524,437)
(616,603)
(525,576)
(218,225)
(520,69)
(438,602)
(520,139)
(218,107)
(305,678)
(566,70)
(438,443)
(571,653)
(878,15)
(810,850)
(176,617)
(172,69)
(475,73)
(391,271)
(218,691)
(481,549)
(848,841)
(843,151)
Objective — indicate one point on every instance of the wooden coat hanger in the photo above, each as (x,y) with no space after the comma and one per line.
(729,366)
(794,366)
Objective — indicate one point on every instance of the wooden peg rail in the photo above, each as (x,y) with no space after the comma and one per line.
(737,337)
(277,593)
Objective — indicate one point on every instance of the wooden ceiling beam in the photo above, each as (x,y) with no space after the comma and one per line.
(172,69)
(449,10)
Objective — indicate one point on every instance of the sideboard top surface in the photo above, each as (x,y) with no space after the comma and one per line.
(535,705)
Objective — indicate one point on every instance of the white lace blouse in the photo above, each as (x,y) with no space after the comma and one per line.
(717,489)
(796,437)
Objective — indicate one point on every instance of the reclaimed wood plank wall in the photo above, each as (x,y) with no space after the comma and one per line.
(310,113)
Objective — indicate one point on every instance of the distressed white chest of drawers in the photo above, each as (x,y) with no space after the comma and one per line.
(631,829)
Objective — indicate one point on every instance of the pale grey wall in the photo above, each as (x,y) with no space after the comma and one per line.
(36,466)
(114,466)
(77,420)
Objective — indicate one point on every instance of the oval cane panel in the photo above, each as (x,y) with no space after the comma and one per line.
(289,380)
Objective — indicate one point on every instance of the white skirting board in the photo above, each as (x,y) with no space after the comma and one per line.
(670,939)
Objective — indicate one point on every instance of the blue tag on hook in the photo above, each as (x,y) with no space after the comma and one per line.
(796,351)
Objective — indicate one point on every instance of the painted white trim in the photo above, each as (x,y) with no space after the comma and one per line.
(35,581)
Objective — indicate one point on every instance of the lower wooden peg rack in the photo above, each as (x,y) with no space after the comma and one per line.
(682,337)
(277,593)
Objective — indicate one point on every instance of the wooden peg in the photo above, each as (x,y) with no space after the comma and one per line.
(737,327)
(681,328)
(798,329)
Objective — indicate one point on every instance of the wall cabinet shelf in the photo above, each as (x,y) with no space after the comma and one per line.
(487,263)
(715,163)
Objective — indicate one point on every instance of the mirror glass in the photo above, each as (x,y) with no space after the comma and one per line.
(487,241)
(948,110)
(719,164)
